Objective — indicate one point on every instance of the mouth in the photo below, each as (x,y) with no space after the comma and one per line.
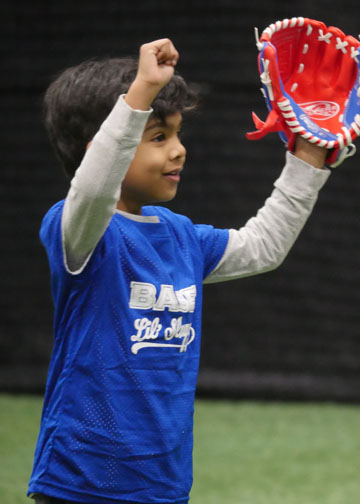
(173,175)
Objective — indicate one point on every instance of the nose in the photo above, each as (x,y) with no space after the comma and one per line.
(177,150)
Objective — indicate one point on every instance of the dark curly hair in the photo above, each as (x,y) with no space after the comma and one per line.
(81,97)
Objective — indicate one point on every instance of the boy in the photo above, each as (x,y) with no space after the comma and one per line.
(127,282)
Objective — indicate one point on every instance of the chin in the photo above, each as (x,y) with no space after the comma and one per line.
(165,199)
(169,199)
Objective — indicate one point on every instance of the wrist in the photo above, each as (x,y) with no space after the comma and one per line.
(141,94)
(310,153)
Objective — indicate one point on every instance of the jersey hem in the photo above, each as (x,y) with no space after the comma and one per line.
(70,494)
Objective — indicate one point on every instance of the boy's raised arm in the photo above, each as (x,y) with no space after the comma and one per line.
(156,67)
(96,187)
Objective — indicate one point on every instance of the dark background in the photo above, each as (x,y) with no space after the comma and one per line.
(289,334)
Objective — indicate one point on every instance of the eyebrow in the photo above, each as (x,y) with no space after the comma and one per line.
(160,123)
(156,125)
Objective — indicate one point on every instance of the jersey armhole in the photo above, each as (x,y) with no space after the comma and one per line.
(210,277)
(83,263)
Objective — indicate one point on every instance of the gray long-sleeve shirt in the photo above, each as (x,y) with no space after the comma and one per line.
(259,246)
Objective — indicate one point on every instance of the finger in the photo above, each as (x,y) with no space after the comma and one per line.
(172,53)
(164,58)
(165,51)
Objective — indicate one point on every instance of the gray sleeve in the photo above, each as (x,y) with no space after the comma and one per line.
(265,240)
(95,189)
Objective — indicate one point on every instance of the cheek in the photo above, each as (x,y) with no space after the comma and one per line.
(140,176)
(146,164)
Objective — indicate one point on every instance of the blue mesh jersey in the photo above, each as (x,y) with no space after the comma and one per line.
(117,420)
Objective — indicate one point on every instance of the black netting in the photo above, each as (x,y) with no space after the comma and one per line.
(293,333)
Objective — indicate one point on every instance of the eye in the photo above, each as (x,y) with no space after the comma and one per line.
(159,137)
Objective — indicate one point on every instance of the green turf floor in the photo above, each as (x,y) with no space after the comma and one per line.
(253,453)
(245,452)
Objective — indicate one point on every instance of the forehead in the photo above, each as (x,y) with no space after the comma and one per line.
(172,121)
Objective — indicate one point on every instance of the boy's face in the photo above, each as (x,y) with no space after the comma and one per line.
(154,174)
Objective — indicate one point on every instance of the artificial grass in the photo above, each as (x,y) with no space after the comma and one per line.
(266,453)
(245,452)
(19,424)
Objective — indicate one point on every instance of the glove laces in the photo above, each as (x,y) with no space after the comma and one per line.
(348,151)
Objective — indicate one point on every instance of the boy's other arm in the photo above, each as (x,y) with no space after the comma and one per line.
(96,187)
(265,240)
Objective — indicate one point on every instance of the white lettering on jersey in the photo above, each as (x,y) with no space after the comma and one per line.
(186,298)
(147,330)
(185,332)
(143,297)
(167,299)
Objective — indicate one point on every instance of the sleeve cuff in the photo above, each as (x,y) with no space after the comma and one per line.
(299,177)
(124,121)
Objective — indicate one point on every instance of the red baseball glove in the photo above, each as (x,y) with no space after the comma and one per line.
(310,78)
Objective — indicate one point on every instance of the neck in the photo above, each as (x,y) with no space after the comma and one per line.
(134,209)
